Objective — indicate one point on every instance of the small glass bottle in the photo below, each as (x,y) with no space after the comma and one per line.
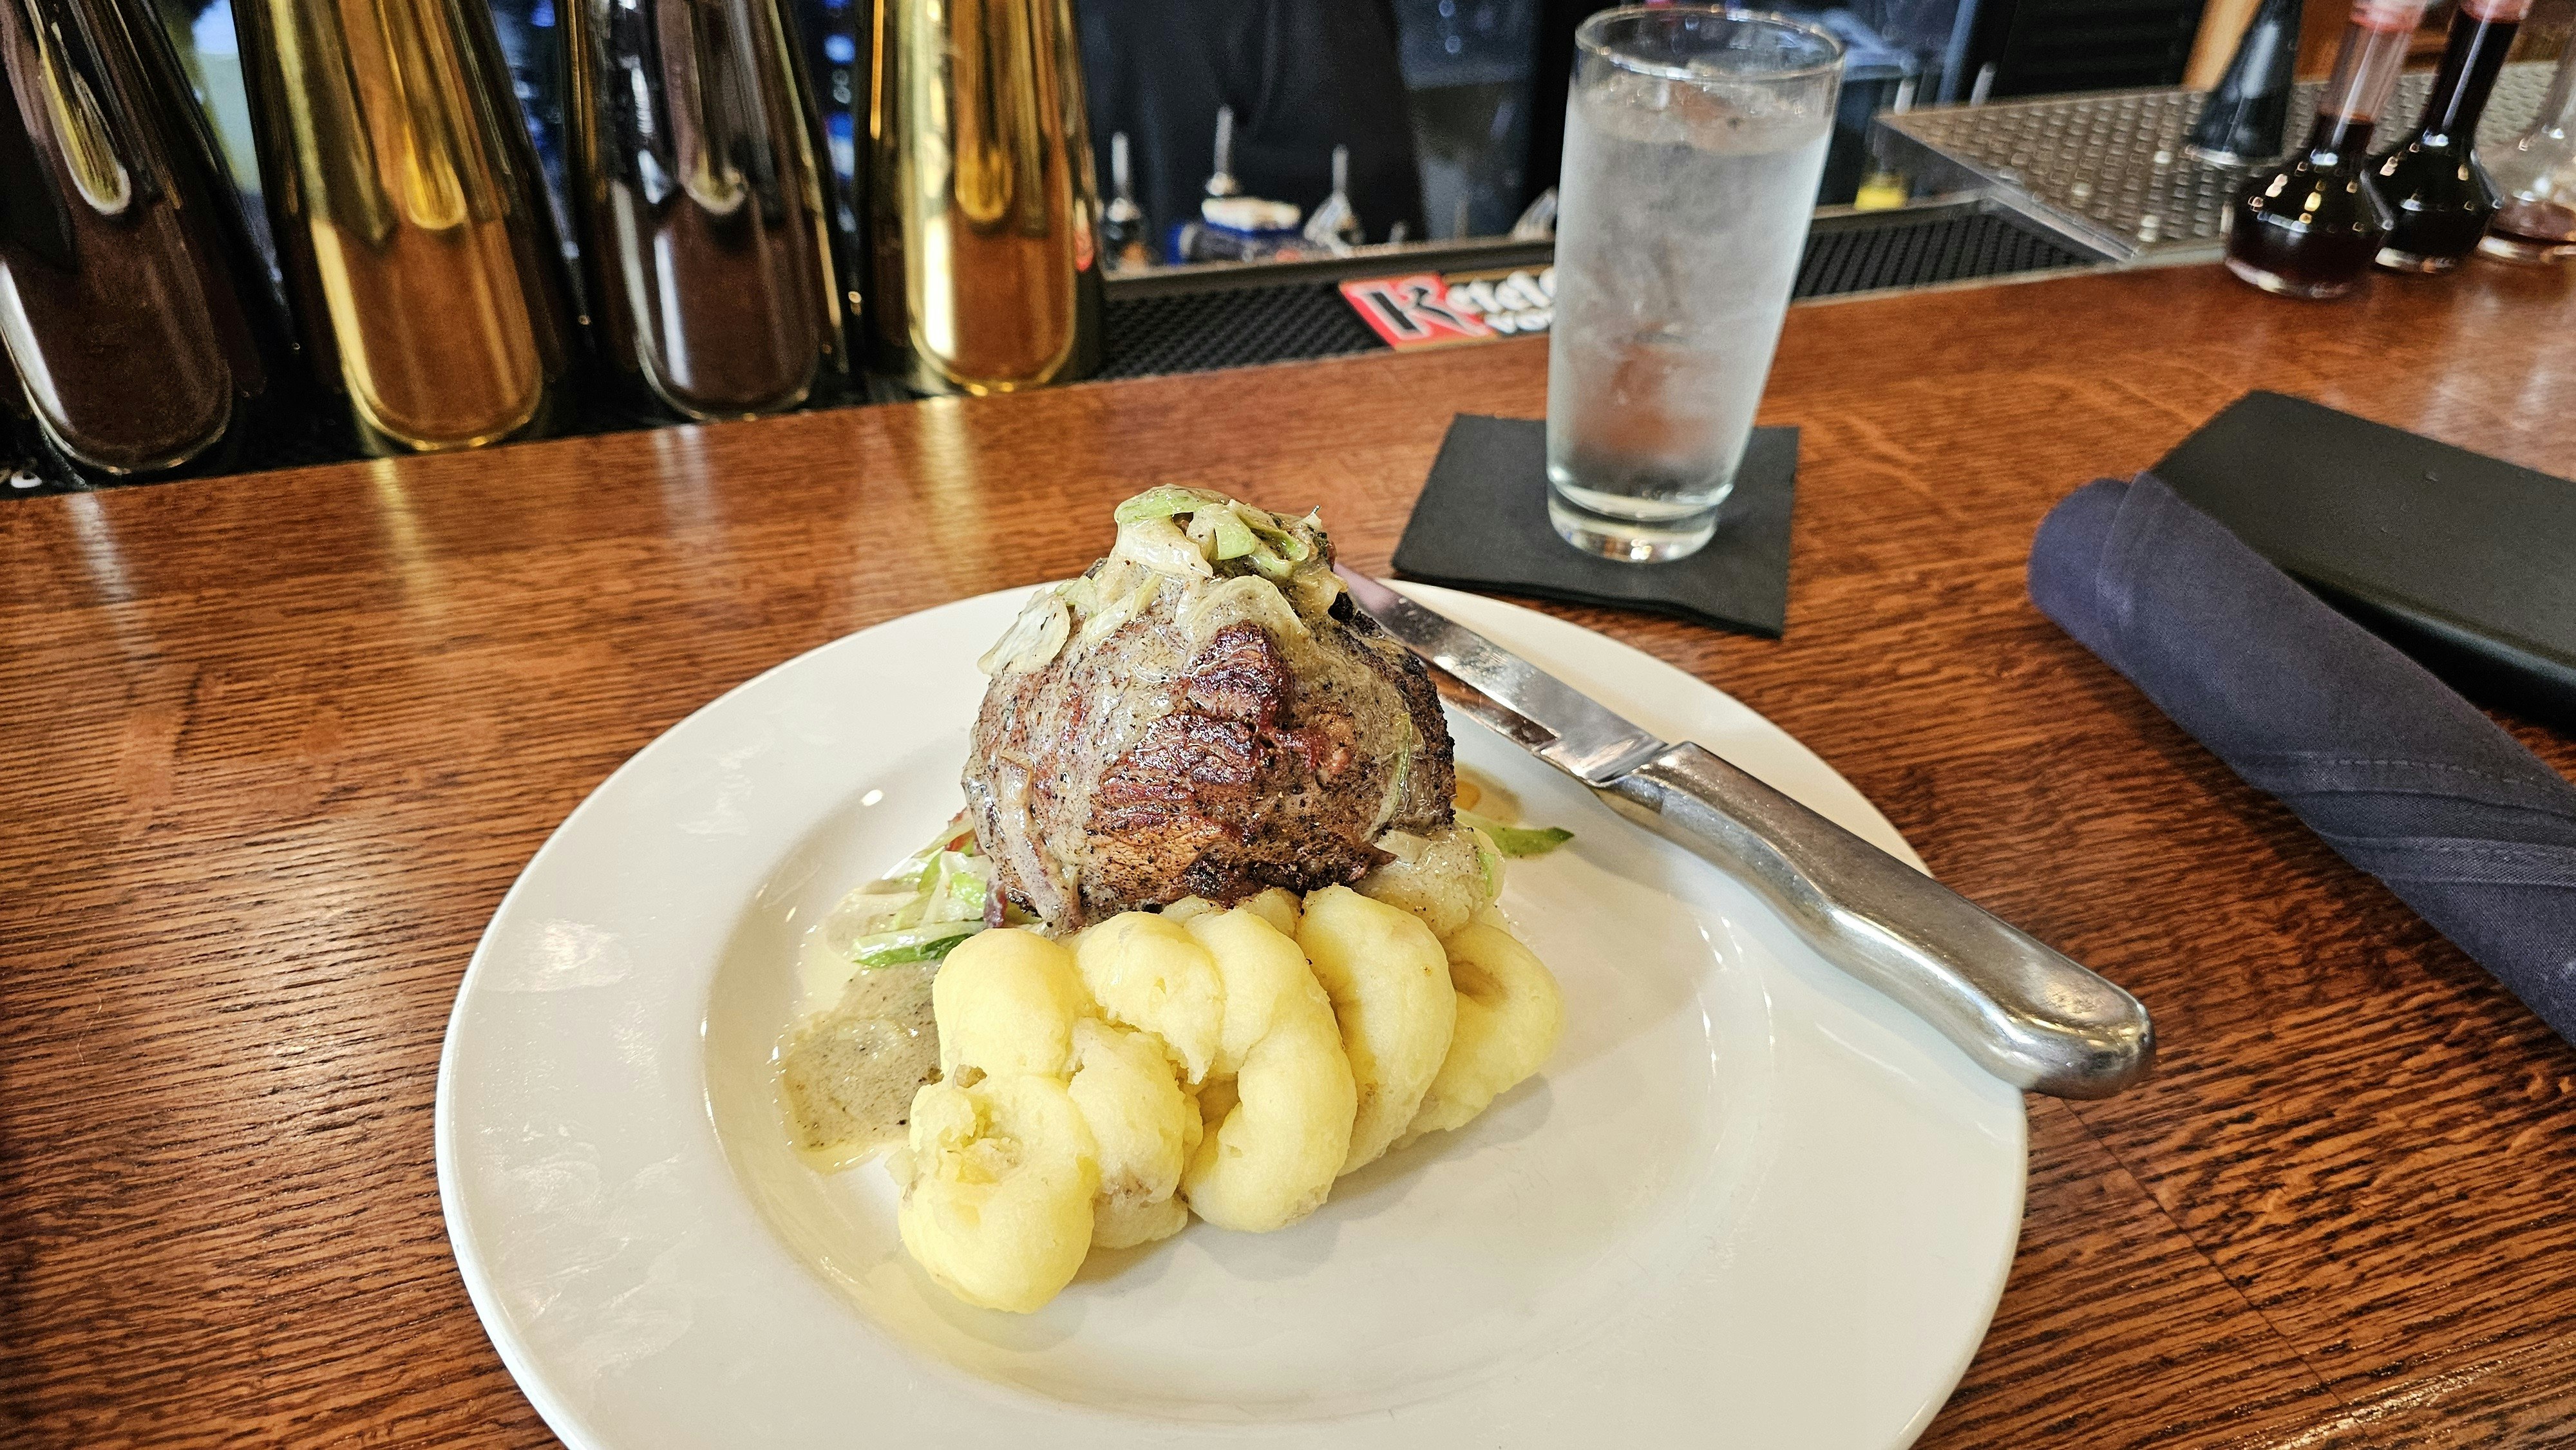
(2242,122)
(1125,237)
(2431,179)
(2309,227)
(2535,177)
(1335,227)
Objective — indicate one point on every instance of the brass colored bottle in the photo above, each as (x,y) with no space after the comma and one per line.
(983,210)
(696,174)
(404,194)
(143,333)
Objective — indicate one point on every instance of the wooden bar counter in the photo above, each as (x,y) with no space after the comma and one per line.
(272,747)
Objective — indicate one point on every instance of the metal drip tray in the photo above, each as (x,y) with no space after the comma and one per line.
(2107,168)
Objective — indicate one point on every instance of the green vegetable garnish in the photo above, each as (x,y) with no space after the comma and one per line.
(912,944)
(1489,865)
(1518,841)
(1290,548)
(1162,503)
(1233,537)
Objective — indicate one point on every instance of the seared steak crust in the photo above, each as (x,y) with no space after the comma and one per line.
(1146,766)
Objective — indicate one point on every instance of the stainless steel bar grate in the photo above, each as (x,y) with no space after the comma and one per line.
(2107,168)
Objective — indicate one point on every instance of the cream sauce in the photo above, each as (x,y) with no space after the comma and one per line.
(863,1044)
(848,1075)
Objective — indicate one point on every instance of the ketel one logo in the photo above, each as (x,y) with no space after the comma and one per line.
(1426,310)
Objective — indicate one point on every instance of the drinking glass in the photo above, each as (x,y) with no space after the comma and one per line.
(1694,139)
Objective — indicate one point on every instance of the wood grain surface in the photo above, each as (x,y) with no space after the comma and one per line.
(275,746)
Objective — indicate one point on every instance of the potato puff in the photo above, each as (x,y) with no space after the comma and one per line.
(997,1204)
(1510,1014)
(1006,1002)
(1003,1174)
(1144,1127)
(1147,973)
(1446,881)
(1276,905)
(1279,1100)
(1389,985)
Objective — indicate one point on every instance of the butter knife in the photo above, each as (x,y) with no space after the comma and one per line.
(2024,1012)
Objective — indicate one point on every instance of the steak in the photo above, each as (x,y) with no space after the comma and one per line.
(1156,735)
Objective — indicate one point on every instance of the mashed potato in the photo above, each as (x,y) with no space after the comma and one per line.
(1227,1063)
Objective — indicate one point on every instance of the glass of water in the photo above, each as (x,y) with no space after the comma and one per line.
(1694,139)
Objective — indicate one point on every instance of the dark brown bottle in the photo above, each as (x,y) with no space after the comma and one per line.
(2309,227)
(421,262)
(20,469)
(696,170)
(144,337)
(2244,119)
(2432,180)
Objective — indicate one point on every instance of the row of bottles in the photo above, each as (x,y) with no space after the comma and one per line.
(2313,226)
(426,300)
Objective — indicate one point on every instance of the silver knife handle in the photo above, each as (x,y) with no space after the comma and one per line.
(2025,1013)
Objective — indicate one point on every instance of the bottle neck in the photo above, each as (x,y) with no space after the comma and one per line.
(2481,34)
(2558,108)
(2261,64)
(2374,47)
(2336,139)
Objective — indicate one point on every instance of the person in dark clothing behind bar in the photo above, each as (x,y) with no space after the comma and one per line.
(1303,76)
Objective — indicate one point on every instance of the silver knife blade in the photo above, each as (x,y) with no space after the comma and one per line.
(2027,1013)
(1544,715)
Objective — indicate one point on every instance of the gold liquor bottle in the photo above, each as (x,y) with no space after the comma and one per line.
(983,211)
(403,191)
(696,173)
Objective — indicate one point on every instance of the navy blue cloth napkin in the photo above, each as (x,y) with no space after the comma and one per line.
(2402,777)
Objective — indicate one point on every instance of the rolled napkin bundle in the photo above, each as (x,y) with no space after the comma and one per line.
(2402,777)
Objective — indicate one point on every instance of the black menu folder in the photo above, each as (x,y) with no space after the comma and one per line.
(2465,562)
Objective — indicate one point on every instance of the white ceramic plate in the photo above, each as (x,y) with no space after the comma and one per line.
(1748,1203)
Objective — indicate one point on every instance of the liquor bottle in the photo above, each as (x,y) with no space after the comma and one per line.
(140,328)
(2535,177)
(2309,228)
(1885,182)
(2245,120)
(696,172)
(20,468)
(1335,227)
(420,259)
(1125,234)
(984,210)
(1221,182)
(2432,179)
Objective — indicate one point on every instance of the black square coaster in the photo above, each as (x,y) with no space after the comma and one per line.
(1481,523)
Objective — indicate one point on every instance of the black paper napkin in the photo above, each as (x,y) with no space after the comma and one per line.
(1482,524)
(2403,778)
